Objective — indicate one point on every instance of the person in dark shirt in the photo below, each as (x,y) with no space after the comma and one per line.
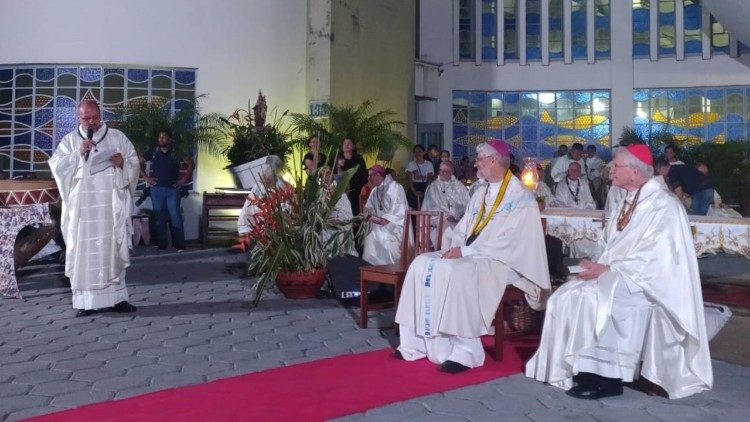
(313,142)
(166,183)
(348,158)
(688,180)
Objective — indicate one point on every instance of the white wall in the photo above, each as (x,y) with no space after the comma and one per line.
(238,46)
(621,74)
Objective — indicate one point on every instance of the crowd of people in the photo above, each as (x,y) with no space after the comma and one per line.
(634,311)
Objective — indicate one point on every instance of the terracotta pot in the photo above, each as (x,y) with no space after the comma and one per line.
(300,284)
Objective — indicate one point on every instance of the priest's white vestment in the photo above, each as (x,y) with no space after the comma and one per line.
(643,316)
(560,168)
(96,211)
(574,194)
(451,197)
(246,217)
(446,304)
(383,242)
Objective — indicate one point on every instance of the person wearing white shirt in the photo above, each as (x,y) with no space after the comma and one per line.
(560,168)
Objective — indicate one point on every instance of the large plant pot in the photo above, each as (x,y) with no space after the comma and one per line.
(300,285)
(247,175)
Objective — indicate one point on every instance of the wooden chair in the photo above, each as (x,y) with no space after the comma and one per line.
(512,294)
(394,274)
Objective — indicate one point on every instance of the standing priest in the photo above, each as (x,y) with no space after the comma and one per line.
(450,297)
(96,169)
(637,310)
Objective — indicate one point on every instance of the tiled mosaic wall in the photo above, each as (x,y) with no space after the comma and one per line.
(694,115)
(38,104)
(533,123)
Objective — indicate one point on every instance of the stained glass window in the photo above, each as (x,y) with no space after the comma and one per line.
(466,29)
(510,35)
(641,25)
(38,104)
(533,123)
(694,115)
(489,30)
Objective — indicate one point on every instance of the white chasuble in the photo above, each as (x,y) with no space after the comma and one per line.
(643,316)
(96,213)
(450,197)
(459,297)
(383,242)
(574,194)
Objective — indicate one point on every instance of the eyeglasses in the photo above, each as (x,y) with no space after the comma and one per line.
(615,165)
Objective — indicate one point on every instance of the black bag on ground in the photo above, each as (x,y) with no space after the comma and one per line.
(343,273)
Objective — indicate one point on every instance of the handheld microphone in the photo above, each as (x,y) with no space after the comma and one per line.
(89,136)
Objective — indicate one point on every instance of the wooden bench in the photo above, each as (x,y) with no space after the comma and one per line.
(218,201)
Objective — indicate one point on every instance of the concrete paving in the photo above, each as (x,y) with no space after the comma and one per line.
(193,325)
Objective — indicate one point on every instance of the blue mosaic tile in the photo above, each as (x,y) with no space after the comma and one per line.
(24,118)
(137,75)
(91,74)
(110,71)
(5,117)
(6,75)
(4,141)
(61,102)
(24,138)
(43,116)
(67,70)
(45,74)
(715,94)
(42,140)
(185,77)
(158,72)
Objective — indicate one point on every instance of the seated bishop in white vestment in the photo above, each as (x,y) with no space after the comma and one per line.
(446,194)
(385,210)
(638,310)
(449,298)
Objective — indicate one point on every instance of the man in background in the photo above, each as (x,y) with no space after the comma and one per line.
(166,185)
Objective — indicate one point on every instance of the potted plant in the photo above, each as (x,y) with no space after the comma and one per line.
(251,140)
(374,132)
(295,235)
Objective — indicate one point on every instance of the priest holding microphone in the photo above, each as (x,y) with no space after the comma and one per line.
(96,169)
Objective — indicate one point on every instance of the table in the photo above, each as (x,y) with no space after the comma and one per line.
(218,201)
(12,220)
(710,234)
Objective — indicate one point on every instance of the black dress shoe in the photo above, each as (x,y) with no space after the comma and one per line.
(397,355)
(84,312)
(123,307)
(451,367)
(596,388)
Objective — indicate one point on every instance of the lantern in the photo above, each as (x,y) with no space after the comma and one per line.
(529,175)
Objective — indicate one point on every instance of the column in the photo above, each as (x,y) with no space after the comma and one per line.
(567,31)
(521,25)
(544,16)
(679,29)
(653,30)
(456,52)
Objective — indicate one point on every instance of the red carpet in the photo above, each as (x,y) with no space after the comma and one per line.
(727,294)
(317,390)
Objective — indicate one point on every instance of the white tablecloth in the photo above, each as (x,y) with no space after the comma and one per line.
(710,234)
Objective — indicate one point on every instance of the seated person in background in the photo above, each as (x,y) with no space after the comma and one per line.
(717,208)
(592,166)
(384,212)
(542,190)
(683,179)
(269,180)
(465,171)
(420,171)
(448,195)
(561,165)
(637,310)
(671,153)
(449,298)
(573,191)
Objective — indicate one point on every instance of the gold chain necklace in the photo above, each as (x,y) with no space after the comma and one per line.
(481,221)
(627,211)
